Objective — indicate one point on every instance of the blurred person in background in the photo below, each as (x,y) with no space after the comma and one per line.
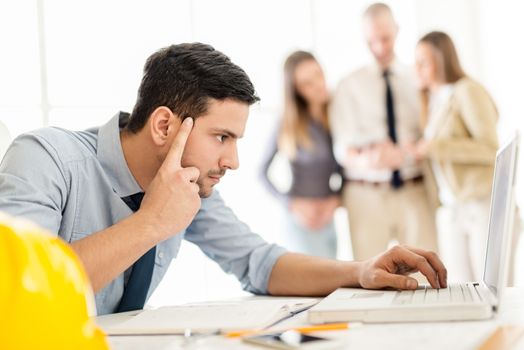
(374,113)
(460,143)
(303,138)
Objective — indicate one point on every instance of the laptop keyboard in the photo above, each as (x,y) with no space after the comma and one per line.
(455,293)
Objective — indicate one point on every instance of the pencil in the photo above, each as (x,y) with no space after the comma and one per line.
(305,329)
(322,327)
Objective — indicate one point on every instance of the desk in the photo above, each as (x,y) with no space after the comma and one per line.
(433,335)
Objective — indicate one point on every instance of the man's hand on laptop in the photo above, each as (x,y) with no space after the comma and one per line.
(391,269)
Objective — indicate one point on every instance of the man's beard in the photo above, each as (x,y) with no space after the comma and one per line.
(202,192)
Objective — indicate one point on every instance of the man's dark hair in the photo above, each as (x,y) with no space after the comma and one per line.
(183,78)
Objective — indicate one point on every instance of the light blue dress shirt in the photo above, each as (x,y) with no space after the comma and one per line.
(72,182)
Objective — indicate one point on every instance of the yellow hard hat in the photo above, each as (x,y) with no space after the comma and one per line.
(45,295)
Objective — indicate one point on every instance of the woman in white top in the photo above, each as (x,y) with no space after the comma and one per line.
(459,145)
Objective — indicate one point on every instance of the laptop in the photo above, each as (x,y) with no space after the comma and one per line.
(464,301)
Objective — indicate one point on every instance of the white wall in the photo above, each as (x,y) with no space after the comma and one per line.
(5,139)
(75,63)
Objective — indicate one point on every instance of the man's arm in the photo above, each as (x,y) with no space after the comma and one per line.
(297,274)
(169,206)
(108,253)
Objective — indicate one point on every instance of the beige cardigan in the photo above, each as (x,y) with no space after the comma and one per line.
(465,143)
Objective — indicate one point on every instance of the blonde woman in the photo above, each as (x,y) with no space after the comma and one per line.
(304,139)
(460,143)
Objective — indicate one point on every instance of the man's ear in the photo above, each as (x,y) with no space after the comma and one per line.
(162,123)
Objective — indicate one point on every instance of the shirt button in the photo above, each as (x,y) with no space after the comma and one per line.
(160,255)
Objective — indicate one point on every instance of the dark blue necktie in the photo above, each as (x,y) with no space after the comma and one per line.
(396,179)
(135,291)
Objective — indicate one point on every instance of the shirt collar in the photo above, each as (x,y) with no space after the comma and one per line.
(111,156)
(393,68)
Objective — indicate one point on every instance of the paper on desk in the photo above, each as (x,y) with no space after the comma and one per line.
(201,318)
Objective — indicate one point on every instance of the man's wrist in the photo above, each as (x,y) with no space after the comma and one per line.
(152,230)
(351,273)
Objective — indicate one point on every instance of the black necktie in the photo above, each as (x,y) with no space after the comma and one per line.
(396,179)
(135,291)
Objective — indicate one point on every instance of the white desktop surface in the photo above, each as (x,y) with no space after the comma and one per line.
(429,335)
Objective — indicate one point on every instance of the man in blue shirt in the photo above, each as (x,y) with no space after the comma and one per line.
(125,194)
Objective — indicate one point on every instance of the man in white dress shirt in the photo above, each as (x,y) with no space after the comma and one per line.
(374,119)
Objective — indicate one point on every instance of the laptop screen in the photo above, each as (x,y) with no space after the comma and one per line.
(500,214)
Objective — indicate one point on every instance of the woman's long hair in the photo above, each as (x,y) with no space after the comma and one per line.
(294,131)
(449,69)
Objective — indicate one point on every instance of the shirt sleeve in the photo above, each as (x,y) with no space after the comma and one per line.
(479,115)
(32,182)
(230,242)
